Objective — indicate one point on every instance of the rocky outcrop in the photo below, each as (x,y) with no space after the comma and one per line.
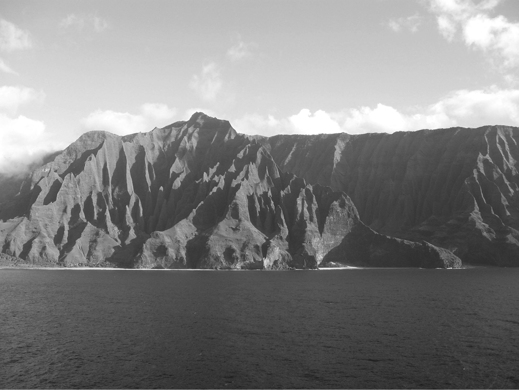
(10,261)
(364,247)
(456,188)
(194,194)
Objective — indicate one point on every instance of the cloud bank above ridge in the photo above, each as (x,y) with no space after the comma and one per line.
(465,108)
(241,78)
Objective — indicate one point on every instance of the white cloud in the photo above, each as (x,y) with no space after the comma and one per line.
(480,107)
(303,122)
(83,22)
(382,118)
(11,98)
(22,142)
(6,68)
(411,23)
(12,37)
(240,50)
(463,108)
(497,37)
(479,30)
(157,112)
(307,123)
(209,83)
(100,24)
(263,125)
(460,108)
(122,123)
(447,27)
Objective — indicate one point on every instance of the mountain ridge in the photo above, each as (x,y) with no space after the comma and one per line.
(197,194)
(457,188)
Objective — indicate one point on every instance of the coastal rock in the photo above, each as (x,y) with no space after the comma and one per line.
(364,247)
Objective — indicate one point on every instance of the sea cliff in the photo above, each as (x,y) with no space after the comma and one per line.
(197,194)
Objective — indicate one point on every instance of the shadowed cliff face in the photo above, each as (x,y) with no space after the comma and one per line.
(456,188)
(191,195)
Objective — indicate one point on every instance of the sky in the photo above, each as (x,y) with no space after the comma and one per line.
(268,66)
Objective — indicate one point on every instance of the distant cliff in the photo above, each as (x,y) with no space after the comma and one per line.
(456,188)
(194,194)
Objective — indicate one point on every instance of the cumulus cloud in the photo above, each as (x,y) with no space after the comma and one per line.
(23,141)
(12,97)
(447,27)
(12,37)
(411,23)
(304,122)
(307,123)
(83,22)
(151,115)
(494,35)
(479,107)
(157,112)
(254,124)
(497,37)
(382,118)
(208,83)
(465,108)
(6,68)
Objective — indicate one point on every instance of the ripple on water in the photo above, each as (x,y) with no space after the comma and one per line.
(355,328)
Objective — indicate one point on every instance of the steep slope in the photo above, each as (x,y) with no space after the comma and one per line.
(10,183)
(190,195)
(456,188)
(10,186)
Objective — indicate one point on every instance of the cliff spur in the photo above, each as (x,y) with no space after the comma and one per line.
(197,194)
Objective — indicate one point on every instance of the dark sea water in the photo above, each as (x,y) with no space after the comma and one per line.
(365,328)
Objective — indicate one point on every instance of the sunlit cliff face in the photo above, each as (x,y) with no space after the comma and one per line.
(193,194)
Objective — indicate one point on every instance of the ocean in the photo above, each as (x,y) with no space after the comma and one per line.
(354,328)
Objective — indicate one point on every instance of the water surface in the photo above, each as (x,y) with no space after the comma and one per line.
(374,328)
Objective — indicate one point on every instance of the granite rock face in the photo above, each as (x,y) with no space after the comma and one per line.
(194,194)
(456,188)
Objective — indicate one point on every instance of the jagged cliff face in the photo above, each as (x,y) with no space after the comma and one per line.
(456,188)
(191,195)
